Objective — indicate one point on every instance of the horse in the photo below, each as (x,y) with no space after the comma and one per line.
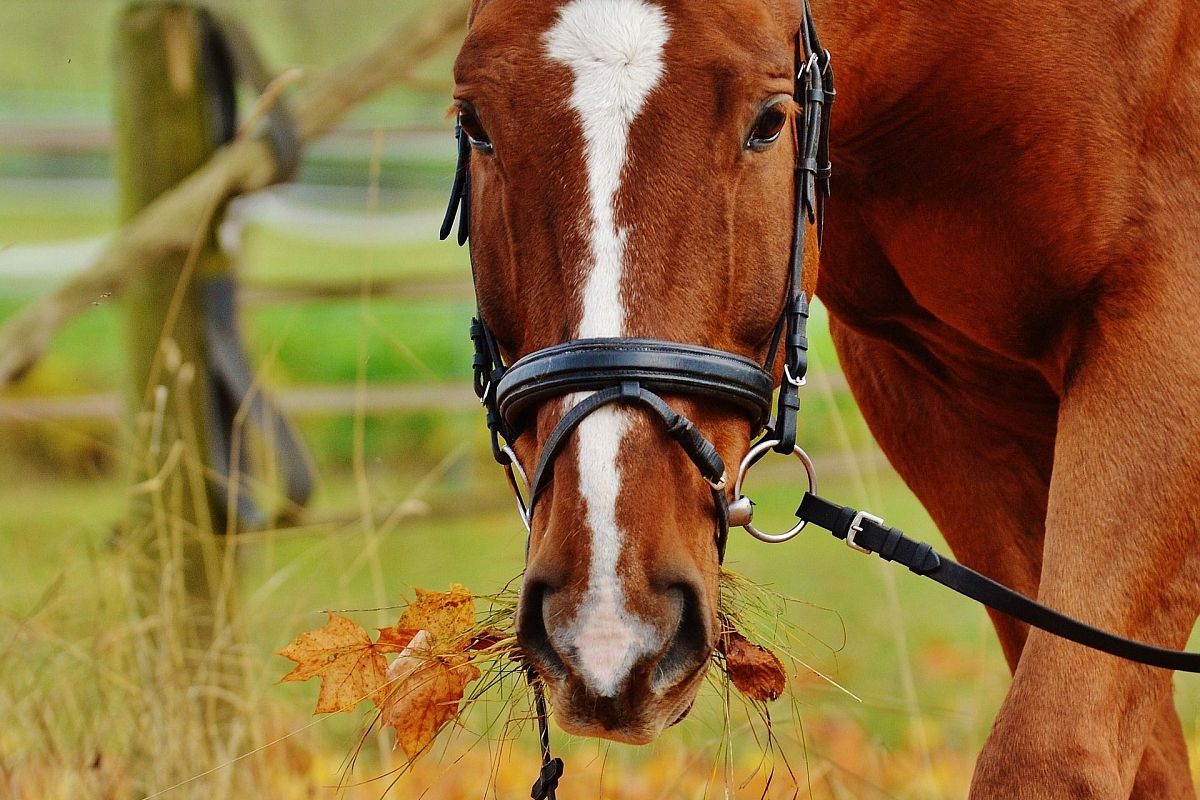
(1008,251)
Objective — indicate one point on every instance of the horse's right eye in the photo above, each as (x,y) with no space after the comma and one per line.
(767,127)
(475,132)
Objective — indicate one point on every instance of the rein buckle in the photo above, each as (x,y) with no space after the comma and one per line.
(856,528)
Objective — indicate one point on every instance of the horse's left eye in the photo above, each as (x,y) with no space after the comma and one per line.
(767,127)
(475,132)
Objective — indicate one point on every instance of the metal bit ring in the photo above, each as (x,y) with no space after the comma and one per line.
(756,453)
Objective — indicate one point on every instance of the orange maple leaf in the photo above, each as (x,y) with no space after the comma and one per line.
(448,616)
(423,692)
(350,665)
(754,670)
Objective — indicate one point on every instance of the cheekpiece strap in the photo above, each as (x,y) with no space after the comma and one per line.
(460,190)
(488,369)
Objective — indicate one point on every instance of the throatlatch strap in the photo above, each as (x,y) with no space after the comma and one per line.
(891,544)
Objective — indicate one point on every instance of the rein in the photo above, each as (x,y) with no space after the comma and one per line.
(637,371)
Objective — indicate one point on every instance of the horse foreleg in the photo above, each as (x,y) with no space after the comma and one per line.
(1164,771)
(985,482)
(1120,553)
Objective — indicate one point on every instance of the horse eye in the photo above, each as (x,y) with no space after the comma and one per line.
(476,135)
(767,127)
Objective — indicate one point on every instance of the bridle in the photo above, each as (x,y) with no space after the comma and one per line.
(635,371)
(638,371)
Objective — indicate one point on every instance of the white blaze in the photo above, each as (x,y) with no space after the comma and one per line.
(614,51)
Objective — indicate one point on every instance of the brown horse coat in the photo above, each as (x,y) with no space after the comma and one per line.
(1012,255)
(1013,248)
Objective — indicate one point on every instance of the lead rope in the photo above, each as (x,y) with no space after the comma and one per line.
(552,768)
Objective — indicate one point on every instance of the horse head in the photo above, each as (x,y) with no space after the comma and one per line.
(629,166)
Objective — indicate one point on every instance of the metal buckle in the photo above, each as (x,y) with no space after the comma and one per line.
(856,527)
(813,60)
(720,484)
(745,510)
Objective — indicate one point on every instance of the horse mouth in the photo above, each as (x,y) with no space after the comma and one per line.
(683,714)
(637,718)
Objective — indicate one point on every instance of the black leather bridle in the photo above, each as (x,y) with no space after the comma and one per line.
(632,371)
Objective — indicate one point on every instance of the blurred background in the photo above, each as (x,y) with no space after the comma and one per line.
(136,647)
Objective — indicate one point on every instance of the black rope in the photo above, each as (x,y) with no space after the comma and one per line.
(546,785)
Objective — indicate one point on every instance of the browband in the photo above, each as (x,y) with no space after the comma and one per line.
(659,366)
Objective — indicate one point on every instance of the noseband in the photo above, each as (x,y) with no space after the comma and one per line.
(632,371)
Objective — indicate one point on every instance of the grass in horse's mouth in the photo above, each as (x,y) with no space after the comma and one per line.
(503,699)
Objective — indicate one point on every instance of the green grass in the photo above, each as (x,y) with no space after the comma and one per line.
(276,257)
(55,54)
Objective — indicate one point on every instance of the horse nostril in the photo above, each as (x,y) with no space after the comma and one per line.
(690,646)
(531,629)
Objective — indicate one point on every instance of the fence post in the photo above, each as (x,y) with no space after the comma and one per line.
(174,109)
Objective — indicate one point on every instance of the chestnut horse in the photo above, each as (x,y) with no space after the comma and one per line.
(1011,250)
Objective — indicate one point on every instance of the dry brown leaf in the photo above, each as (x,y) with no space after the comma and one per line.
(448,616)
(754,670)
(425,685)
(396,638)
(423,693)
(350,666)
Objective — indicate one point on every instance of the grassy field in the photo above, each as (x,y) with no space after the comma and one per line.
(919,687)
(893,685)
(893,681)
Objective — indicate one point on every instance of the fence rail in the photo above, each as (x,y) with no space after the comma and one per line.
(329,400)
(370,399)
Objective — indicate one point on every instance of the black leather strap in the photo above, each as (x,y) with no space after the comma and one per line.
(229,58)
(232,57)
(658,366)
(814,93)
(892,545)
(234,392)
(701,452)
(460,190)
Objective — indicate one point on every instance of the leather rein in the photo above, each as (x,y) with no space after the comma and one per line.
(637,371)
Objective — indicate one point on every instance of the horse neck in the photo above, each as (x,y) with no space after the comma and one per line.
(893,58)
(883,50)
